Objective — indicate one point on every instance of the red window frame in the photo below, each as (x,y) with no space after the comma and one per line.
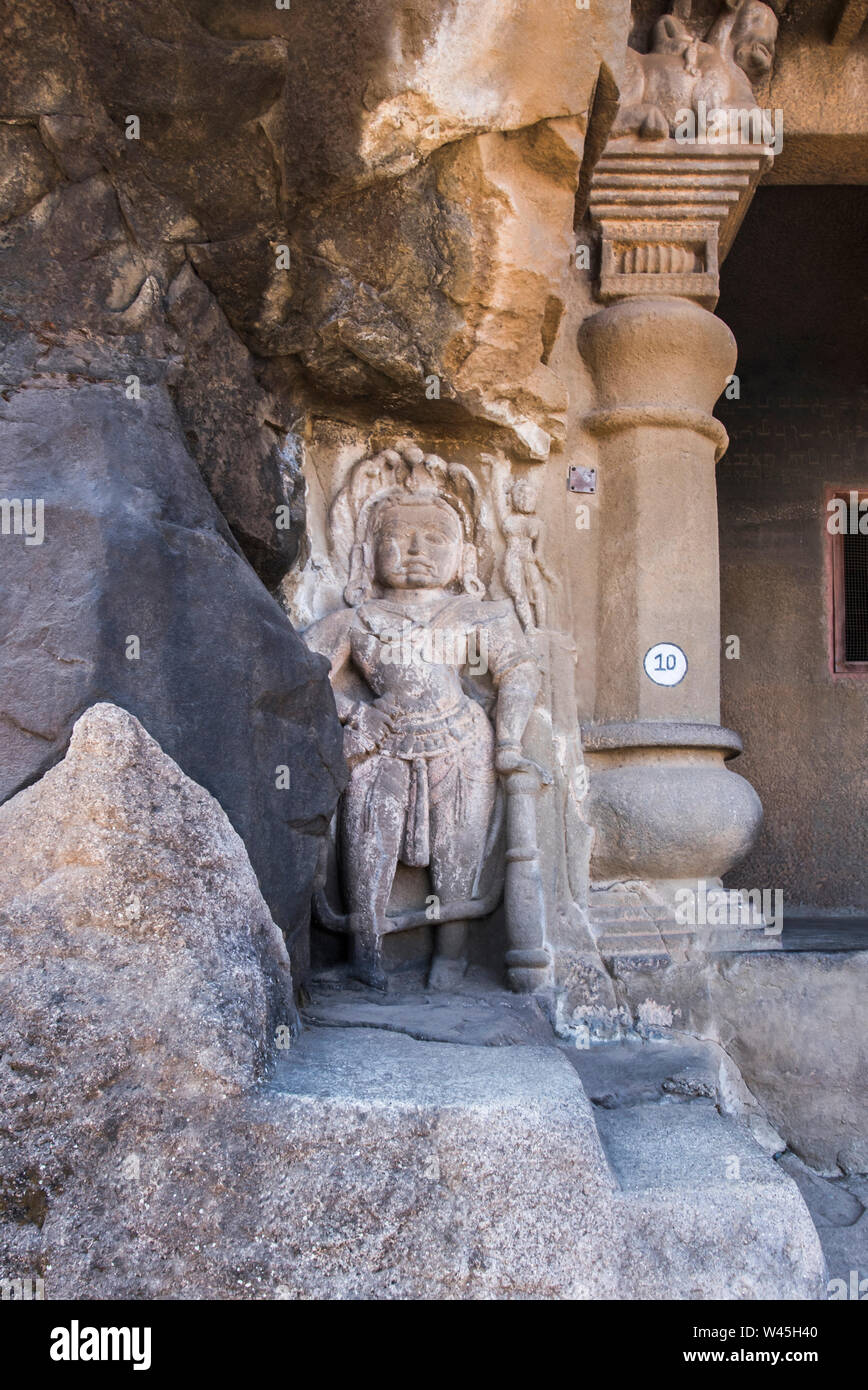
(838,648)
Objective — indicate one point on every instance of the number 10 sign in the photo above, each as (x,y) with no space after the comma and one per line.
(665,664)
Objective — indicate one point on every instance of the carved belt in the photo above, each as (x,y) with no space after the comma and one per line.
(424,736)
(416,741)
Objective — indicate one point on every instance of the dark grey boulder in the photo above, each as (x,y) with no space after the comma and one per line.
(135,548)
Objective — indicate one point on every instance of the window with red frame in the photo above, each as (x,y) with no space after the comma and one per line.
(850,590)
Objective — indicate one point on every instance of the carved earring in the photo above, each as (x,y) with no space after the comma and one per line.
(358,587)
(473,585)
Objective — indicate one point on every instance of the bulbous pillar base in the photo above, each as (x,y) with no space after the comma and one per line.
(670,819)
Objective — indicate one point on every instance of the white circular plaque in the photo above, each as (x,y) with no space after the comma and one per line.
(665,664)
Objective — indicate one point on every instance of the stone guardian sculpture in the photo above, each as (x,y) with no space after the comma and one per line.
(425,758)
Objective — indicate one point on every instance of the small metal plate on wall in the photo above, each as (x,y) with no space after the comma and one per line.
(581,479)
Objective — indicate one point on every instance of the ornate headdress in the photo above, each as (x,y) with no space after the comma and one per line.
(402,475)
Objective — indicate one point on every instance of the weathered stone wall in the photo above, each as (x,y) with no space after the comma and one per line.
(221,220)
(793,1022)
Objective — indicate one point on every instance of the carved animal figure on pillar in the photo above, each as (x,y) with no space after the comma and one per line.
(681,70)
(424,755)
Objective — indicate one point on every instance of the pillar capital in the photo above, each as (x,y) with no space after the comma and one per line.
(657,361)
(668,212)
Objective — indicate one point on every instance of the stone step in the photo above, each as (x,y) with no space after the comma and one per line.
(428,1170)
(600,901)
(635,954)
(630,935)
(618,912)
(677,1146)
(625,932)
(624,904)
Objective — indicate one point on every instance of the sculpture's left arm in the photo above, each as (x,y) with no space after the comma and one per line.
(516,692)
(516,678)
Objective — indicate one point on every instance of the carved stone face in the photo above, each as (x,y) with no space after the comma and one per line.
(524,497)
(754,35)
(417,545)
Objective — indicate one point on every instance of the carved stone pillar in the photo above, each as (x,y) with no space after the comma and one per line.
(528,959)
(666,810)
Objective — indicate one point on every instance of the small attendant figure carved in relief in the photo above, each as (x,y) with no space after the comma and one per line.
(524,570)
(423,754)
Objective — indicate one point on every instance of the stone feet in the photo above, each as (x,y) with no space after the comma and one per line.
(446,972)
(367,964)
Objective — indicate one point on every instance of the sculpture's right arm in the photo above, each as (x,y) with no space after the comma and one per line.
(366,724)
(330,636)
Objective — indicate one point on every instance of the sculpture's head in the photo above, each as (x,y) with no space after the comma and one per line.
(669,35)
(418,543)
(523,494)
(754,34)
(412,519)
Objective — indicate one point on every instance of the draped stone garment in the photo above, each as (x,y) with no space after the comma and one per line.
(439,759)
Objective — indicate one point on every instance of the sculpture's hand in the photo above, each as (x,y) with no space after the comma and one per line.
(370,725)
(508,758)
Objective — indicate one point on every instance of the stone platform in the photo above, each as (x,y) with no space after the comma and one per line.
(184,1142)
(374,1164)
(478,1170)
